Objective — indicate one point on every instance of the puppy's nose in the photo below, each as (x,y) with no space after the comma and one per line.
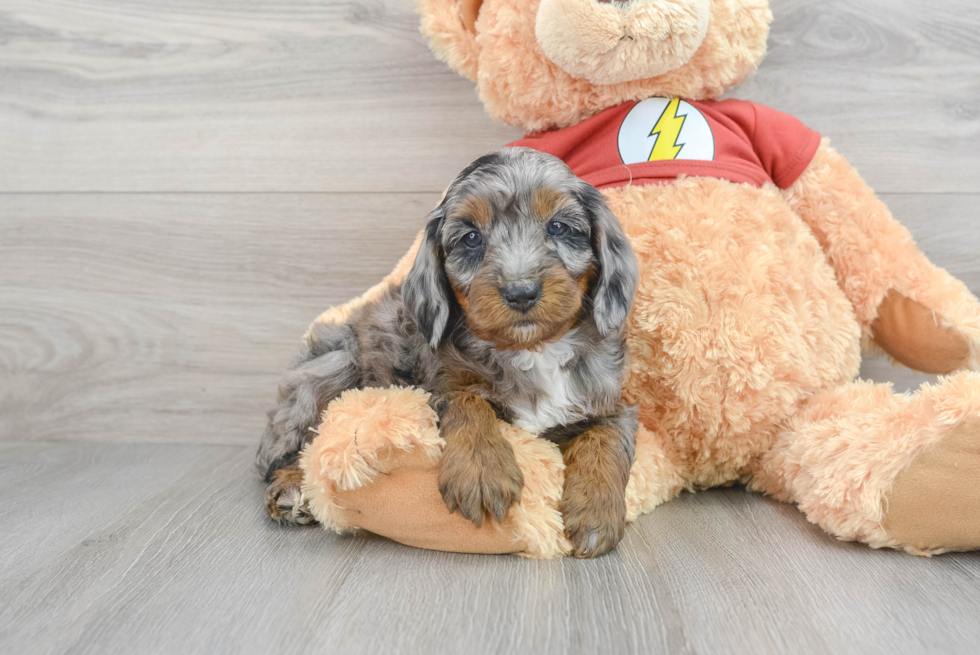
(521,296)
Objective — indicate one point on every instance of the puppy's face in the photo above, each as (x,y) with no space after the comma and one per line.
(519,261)
(521,245)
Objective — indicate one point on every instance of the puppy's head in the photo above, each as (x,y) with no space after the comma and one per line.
(525,249)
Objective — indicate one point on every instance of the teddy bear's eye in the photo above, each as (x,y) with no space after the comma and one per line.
(557,229)
(473,240)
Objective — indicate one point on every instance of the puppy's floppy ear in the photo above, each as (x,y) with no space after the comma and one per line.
(425,287)
(615,283)
(450,27)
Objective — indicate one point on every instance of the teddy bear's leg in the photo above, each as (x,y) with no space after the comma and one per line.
(898,471)
(917,313)
(655,477)
(374,465)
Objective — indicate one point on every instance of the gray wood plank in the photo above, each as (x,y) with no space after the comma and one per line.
(169,552)
(868,74)
(60,495)
(306,95)
(219,95)
(169,318)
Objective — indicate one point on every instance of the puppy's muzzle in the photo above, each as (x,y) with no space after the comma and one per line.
(522,295)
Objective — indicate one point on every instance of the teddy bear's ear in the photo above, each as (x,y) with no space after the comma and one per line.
(450,27)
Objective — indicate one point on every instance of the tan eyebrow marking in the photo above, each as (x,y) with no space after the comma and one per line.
(477,210)
(547,201)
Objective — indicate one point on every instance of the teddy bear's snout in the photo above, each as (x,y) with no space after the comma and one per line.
(614,41)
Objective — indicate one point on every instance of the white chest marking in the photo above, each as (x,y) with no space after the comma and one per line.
(555,402)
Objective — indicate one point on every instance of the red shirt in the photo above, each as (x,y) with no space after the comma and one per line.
(653,141)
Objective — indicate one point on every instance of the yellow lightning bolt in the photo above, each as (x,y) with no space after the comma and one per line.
(668,128)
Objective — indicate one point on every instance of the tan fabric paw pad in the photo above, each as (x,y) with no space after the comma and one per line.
(934,505)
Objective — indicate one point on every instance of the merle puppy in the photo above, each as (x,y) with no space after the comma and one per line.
(514,309)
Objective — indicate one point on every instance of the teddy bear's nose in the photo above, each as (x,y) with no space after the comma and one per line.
(614,41)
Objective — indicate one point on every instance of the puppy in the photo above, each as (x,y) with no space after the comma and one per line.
(514,309)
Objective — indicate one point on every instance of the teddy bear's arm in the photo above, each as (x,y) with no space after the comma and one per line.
(917,313)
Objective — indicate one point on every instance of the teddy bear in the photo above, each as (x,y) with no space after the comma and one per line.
(767,265)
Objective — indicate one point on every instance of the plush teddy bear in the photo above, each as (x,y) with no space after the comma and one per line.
(766,265)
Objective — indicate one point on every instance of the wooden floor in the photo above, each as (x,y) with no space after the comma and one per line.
(185,184)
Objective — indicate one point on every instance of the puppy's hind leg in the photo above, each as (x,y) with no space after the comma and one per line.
(329,368)
(284,500)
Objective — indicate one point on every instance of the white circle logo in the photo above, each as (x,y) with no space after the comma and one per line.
(660,129)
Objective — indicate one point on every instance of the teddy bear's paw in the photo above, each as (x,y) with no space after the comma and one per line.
(480,481)
(595,519)
(284,499)
(934,503)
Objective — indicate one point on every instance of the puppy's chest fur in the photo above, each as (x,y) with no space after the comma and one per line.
(551,394)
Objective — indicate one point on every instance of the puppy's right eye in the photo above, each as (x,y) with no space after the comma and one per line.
(473,240)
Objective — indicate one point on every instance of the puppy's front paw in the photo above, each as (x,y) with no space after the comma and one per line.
(284,500)
(480,480)
(595,519)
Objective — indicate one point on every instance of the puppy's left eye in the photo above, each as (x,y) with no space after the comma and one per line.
(557,228)
(473,240)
